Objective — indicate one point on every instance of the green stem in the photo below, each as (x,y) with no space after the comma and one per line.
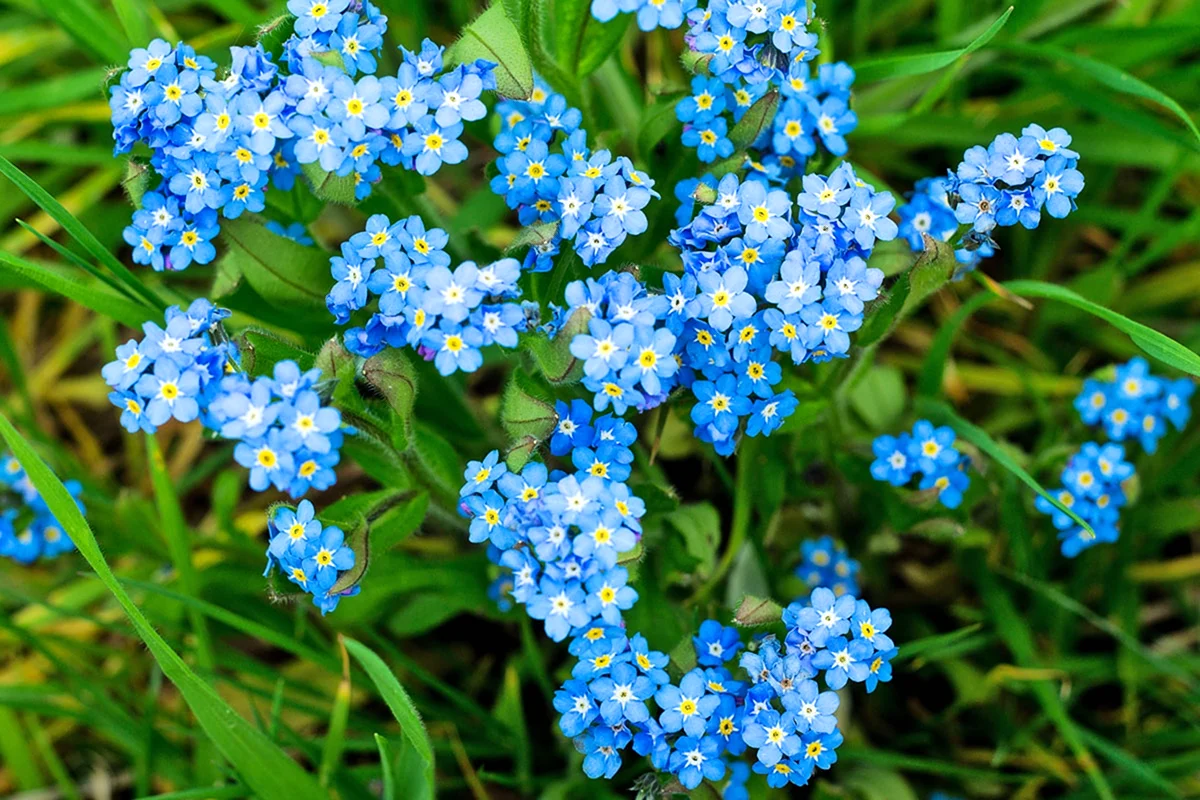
(742,512)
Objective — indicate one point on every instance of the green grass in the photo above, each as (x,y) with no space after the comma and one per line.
(157,655)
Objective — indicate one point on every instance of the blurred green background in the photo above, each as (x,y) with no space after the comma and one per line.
(1035,676)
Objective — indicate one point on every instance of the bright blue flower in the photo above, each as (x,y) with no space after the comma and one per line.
(892,462)
(781,773)
(772,735)
(1057,186)
(608,596)
(171,392)
(318,140)
(812,709)
(880,670)
(602,756)
(844,660)
(268,459)
(719,404)
(950,483)
(715,644)
(706,100)
(686,707)
(577,710)
(710,139)
(932,448)
(562,607)
(432,145)
(696,757)
(978,205)
(316,15)
(622,695)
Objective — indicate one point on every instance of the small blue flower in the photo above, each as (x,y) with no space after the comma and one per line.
(715,644)
(696,757)
(710,139)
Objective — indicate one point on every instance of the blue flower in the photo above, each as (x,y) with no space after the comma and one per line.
(978,205)
(144,63)
(561,606)
(950,483)
(765,215)
(574,703)
(696,757)
(932,448)
(706,100)
(710,139)
(812,709)
(619,208)
(316,15)
(1052,142)
(829,325)
(1057,186)
(772,735)
(622,695)
(171,391)
(722,298)
(827,616)
(715,644)
(608,595)
(781,773)
(432,145)
(880,670)
(604,348)
(328,556)
(892,462)
(769,414)
(686,707)
(481,475)
(601,754)
(844,660)
(318,140)
(719,404)
(574,426)
(268,459)
(456,347)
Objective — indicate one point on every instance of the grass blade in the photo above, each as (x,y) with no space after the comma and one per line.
(77,231)
(1153,343)
(1112,77)
(266,769)
(88,295)
(940,413)
(920,64)
(385,763)
(401,705)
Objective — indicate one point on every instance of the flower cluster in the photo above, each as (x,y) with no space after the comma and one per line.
(445,315)
(561,534)
(28,529)
(929,452)
(1009,182)
(189,370)
(311,555)
(1093,488)
(216,143)
(549,176)
(827,563)
(743,51)
(1136,404)
(763,274)
(778,717)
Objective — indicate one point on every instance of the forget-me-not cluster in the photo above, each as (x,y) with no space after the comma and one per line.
(1136,404)
(1009,182)
(28,529)
(1094,488)
(309,554)
(928,451)
(217,143)
(559,538)
(287,436)
(446,315)
(827,563)
(547,173)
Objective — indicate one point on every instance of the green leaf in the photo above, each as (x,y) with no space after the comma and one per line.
(494,37)
(266,769)
(271,35)
(553,356)
(897,66)
(535,235)
(940,413)
(401,706)
(756,611)
(883,315)
(86,293)
(284,273)
(388,791)
(933,269)
(757,119)
(526,409)
(879,397)
(1152,343)
(657,121)
(358,539)
(328,186)
(79,233)
(262,350)
(582,42)
(933,368)
(93,29)
(391,373)
(1107,75)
